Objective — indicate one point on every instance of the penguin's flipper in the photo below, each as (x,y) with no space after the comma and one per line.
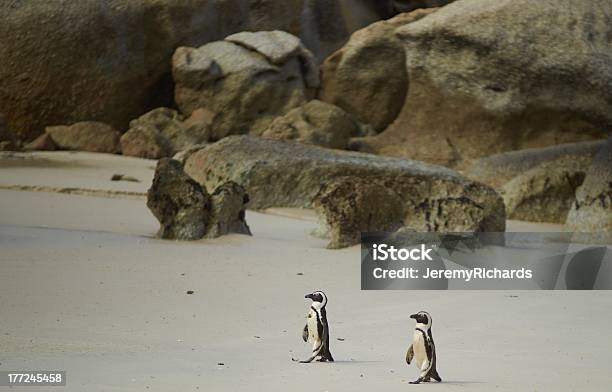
(409,355)
(305,333)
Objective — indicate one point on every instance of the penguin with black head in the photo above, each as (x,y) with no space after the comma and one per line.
(316,329)
(423,350)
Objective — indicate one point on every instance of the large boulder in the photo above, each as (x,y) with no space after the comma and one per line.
(279,174)
(488,76)
(246,80)
(228,213)
(546,192)
(537,184)
(179,203)
(591,212)
(185,209)
(163,132)
(315,122)
(89,136)
(106,60)
(350,206)
(496,170)
(367,76)
(109,60)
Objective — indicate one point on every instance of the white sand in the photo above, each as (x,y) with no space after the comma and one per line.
(84,287)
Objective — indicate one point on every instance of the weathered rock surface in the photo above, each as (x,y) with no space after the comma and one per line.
(41,143)
(179,203)
(475,91)
(246,80)
(546,192)
(229,201)
(89,136)
(182,155)
(351,205)
(367,77)
(498,169)
(592,210)
(163,132)
(278,174)
(107,60)
(537,184)
(185,209)
(315,122)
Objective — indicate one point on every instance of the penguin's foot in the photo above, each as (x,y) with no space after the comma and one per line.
(417,381)
(305,361)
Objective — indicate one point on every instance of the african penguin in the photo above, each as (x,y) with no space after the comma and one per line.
(423,349)
(317,329)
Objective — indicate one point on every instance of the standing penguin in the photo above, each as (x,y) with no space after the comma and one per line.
(423,349)
(317,328)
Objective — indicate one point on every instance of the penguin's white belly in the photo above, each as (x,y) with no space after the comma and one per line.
(313,331)
(420,354)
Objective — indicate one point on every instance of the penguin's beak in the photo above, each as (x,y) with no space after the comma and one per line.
(308,296)
(414,316)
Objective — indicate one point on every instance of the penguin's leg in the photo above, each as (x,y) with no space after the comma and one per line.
(434,374)
(316,351)
(326,354)
(422,378)
(308,360)
(417,381)
(424,373)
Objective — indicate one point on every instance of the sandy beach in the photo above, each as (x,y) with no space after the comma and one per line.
(87,288)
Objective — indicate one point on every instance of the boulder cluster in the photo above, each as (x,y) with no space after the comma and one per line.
(343,186)
(428,115)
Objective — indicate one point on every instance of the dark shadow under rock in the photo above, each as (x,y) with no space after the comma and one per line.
(8,141)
